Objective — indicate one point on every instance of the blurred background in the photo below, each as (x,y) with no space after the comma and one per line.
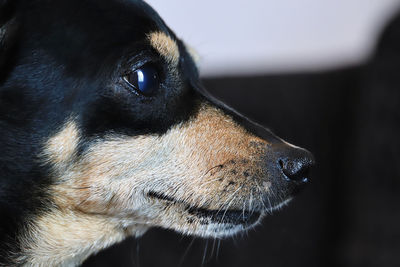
(324,75)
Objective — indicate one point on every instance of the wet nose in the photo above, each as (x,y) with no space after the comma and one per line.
(296,164)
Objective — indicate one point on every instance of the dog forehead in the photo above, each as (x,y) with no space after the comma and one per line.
(91,23)
(91,37)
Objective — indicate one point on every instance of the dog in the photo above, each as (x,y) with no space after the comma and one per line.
(106,131)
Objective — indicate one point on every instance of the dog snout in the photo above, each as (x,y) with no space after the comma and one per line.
(289,168)
(283,159)
(295,164)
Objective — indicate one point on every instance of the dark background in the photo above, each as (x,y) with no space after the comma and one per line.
(349,215)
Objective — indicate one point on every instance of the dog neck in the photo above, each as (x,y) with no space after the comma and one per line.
(68,238)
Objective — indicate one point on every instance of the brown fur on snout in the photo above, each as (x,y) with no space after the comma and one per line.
(209,162)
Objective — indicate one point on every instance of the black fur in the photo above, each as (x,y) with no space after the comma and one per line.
(65,58)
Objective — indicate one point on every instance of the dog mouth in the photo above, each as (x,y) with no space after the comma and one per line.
(210,216)
(234,217)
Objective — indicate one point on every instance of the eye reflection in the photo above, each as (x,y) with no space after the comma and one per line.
(144,80)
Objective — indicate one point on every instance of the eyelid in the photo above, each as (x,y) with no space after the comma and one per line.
(127,81)
(138,60)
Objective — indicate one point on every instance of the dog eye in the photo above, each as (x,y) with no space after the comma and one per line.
(144,80)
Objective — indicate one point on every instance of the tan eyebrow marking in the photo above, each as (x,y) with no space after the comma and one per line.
(166,46)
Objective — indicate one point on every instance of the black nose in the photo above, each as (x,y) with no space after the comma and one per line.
(296,164)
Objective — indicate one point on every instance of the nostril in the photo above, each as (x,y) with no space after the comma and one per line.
(296,169)
(281,164)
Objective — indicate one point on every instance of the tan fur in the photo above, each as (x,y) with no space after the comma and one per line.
(101,198)
(166,46)
(61,147)
(63,238)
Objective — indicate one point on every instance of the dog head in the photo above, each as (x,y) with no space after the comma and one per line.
(102,105)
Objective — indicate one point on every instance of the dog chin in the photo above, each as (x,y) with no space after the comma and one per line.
(207,223)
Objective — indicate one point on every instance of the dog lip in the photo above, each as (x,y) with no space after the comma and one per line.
(235,217)
(226,216)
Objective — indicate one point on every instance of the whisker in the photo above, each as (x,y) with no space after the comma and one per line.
(270,204)
(205,253)
(218,166)
(230,202)
(218,248)
(226,201)
(216,179)
(212,249)
(186,252)
(261,198)
(244,209)
(137,255)
(251,202)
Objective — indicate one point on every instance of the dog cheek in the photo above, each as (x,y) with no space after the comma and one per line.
(60,149)
(109,177)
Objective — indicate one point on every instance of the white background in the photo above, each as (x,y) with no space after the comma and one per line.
(264,36)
